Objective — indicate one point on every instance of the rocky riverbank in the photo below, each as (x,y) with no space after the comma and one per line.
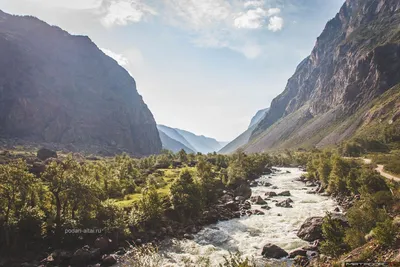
(106,249)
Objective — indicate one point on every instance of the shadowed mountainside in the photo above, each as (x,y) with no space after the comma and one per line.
(59,88)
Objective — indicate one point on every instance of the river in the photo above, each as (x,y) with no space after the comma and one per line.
(248,235)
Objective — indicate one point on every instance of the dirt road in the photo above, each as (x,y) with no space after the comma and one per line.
(381,171)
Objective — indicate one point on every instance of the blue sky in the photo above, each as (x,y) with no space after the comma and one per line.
(205,66)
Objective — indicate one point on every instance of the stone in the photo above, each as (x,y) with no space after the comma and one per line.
(45,153)
(240,199)
(258,200)
(273,251)
(270,194)
(258,212)
(284,204)
(188,236)
(243,190)
(284,194)
(102,243)
(266,207)
(297,252)
(226,198)
(231,205)
(311,229)
(109,260)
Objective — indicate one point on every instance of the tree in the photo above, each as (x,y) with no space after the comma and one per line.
(207,181)
(148,210)
(185,196)
(333,233)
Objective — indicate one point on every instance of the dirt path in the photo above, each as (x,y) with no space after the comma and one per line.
(381,171)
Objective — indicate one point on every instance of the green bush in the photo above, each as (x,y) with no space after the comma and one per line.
(385,232)
(334,234)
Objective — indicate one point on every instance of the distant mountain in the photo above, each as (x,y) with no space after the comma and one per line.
(258,117)
(192,142)
(356,59)
(61,89)
(175,135)
(173,145)
(201,143)
(243,139)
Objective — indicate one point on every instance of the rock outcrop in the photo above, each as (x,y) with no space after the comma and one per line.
(355,60)
(311,229)
(59,88)
(273,251)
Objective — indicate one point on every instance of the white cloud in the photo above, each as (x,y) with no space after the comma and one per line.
(252,19)
(122,61)
(275,23)
(122,12)
(258,3)
(273,11)
(197,14)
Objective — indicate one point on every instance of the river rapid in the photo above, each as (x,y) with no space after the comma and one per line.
(248,235)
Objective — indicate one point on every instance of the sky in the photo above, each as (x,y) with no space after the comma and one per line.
(205,66)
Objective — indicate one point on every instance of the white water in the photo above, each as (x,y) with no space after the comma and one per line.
(248,235)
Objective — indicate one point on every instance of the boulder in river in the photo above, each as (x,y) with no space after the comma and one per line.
(298,252)
(258,212)
(231,205)
(266,207)
(258,200)
(243,190)
(273,251)
(284,204)
(270,194)
(284,194)
(311,229)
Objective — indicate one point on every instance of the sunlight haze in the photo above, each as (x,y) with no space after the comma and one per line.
(203,66)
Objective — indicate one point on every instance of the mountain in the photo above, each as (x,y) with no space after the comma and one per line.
(175,135)
(62,89)
(258,117)
(201,143)
(193,143)
(244,138)
(355,60)
(172,144)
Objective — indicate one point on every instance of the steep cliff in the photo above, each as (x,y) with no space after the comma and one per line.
(355,60)
(59,88)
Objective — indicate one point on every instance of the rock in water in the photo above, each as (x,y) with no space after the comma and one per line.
(273,251)
(311,229)
(284,193)
(63,89)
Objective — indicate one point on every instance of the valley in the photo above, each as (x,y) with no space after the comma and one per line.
(91,176)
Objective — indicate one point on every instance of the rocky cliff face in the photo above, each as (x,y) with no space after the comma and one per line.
(59,88)
(355,60)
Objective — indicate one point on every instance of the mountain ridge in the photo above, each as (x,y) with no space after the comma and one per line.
(195,143)
(63,89)
(355,60)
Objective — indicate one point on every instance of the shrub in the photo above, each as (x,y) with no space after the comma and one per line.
(385,232)
(148,210)
(334,234)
